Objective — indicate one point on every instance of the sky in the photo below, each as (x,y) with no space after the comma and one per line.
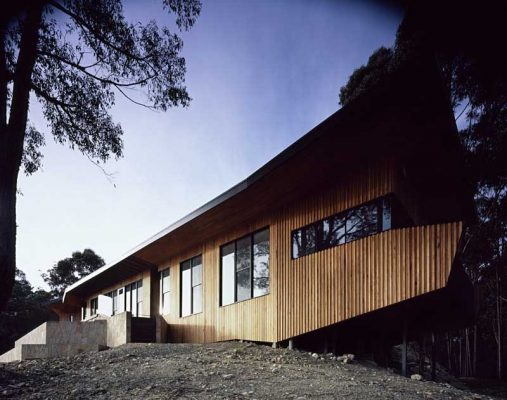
(261,74)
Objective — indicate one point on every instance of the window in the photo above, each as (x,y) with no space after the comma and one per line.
(165,292)
(121,299)
(94,305)
(134,298)
(245,268)
(114,296)
(191,286)
(356,223)
(84,311)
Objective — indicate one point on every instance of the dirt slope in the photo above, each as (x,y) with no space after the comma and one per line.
(216,371)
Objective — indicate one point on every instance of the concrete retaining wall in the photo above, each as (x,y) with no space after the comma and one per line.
(66,338)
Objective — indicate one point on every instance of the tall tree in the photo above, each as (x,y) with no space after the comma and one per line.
(69,270)
(26,309)
(465,38)
(74,57)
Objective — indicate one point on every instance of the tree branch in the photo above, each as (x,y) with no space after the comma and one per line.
(98,78)
(38,91)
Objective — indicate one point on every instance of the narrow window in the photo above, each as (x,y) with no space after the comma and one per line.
(133,294)
(84,311)
(165,292)
(228,291)
(245,268)
(191,286)
(121,300)
(94,305)
(261,263)
(356,223)
(128,299)
(140,298)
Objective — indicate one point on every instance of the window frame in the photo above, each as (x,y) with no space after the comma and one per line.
(251,235)
(191,261)
(94,301)
(161,290)
(379,203)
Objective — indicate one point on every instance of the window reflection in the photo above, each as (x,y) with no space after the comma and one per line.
(361,221)
(245,268)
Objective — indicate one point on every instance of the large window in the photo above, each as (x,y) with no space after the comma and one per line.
(245,268)
(134,298)
(356,223)
(191,286)
(165,292)
(114,295)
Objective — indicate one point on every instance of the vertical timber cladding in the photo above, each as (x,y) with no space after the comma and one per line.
(312,291)
(332,285)
(323,288)
(252,319)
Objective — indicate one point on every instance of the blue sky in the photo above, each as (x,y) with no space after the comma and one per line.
(261,74)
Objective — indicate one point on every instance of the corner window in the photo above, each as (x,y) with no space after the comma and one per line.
(244,268)
(191,286)
(165,292)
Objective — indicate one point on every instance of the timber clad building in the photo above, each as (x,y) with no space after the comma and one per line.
(354,228)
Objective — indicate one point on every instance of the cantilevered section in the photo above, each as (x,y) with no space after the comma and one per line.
(410,126)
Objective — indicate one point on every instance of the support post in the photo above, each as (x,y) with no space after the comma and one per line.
(274,345)
(291,344)
(433,356)
(404,371)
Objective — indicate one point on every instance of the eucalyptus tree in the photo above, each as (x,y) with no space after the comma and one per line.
(75,57)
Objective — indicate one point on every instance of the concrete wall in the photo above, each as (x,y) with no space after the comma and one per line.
(119,329)
(36,336)
(65,338)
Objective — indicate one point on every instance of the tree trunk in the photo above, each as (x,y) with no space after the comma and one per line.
(12,134)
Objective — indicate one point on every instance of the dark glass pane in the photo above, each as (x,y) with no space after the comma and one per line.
(186,265)
(243,283)
(227,280)
(243,274)
(362,221)
(243,253)
(296,244)
(261,263)
(386,213)
(336,230)
(309,239)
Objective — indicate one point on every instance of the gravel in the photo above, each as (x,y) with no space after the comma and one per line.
(229,370)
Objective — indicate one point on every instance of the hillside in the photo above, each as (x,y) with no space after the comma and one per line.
(229,370)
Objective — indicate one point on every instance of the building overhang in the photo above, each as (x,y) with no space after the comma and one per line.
(369,128)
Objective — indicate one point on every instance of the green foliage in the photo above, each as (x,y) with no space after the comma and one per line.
(69,270)
(368,75)
(87,54)
(27,308)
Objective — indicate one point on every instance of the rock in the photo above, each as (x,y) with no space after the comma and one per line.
(227,376)
(416,377)
(315,355)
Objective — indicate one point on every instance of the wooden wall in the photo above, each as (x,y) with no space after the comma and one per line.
(320,289)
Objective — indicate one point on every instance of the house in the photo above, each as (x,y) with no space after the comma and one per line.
(352,231)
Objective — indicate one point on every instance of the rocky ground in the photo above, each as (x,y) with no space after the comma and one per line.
(229,370)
